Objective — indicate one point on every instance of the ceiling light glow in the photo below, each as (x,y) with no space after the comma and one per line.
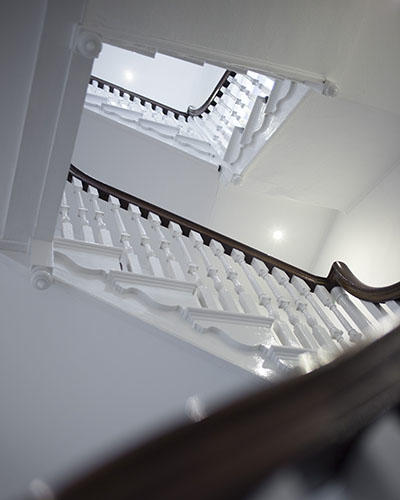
(128,75)
(277,235)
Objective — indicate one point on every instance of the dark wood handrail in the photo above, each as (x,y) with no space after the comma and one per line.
(228,453)
(223,82)
(339,275)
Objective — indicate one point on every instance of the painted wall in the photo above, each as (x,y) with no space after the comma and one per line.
(145,167)
(168,80)
(367,239)
(79,380)
(161,174)
(252,217)
(354,43)
(20,30)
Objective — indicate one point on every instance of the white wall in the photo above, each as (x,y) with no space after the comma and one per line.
(20,29)
(145,167)
(367,239)
(251,216)
(165,79)
(355,43)
(79,380)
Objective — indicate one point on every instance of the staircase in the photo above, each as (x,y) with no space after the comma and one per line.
(228,130)
(216,293)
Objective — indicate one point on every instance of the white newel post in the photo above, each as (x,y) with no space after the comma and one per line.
(67,230)
(325,297)
(304,290)
(87,231)
(224,297)
(173,265)
(359,319)
(129,255)
(302,335)
(206,298)
(104,233)
(245,300)
(152,259)
(279,327)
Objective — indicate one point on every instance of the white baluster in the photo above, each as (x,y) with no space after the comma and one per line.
(321,336)
(373,309)
(233,148)
(304,290)
(130,258)
(279,327)
(300,330)
(205,296)
(355,314)
(393,306)
(325,297)
(88,235)
(153,260)
(245,300)
(104,233)
(173,265)
(225,298)
(254,121)
(67,230)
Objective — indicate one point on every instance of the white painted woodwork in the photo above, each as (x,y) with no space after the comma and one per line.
(321,336)
(355,314)
(224,319)
(312,340)
(280,328)
(224,296)
(304,290)
(104,233)
(206,298)
(130,258)
(87,230)
(67,230)
(173,266)
(300,330)
(230,135)
(245,300)
(152,258)
(325,297)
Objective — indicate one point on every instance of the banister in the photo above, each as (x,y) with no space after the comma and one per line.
(190,111)
(227,454)
(339,275)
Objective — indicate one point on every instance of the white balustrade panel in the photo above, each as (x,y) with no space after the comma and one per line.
(270,315)
(212,136)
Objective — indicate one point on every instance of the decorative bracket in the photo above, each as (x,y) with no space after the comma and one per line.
(86,43)
(42,263)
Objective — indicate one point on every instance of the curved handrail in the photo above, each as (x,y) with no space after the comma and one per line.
(226,454)
(223,82)
(339,275)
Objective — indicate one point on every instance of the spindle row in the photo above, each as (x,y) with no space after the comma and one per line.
(302,318)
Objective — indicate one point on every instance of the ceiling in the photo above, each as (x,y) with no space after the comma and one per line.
(330,152)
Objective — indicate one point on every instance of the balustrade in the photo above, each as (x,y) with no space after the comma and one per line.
(207,132)
(237,288)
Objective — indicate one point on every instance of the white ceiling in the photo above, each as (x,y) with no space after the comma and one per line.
(354,43)
(330,152)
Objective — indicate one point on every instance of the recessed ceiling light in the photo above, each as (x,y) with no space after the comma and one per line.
(128,75)
(277,234)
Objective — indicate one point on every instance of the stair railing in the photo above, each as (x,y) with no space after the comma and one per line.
(207,131)
(276,311)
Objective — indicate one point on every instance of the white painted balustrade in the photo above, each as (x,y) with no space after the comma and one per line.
(210,136)
(233,305)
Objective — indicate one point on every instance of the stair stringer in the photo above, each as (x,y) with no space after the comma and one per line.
(172,306)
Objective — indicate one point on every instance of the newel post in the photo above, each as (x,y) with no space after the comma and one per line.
(42,263)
